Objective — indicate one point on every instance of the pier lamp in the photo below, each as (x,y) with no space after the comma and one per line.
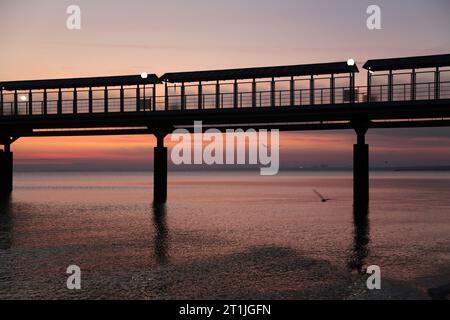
(350,62)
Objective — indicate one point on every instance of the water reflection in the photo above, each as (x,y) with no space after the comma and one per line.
(5,223)
(161,233)
(361,240)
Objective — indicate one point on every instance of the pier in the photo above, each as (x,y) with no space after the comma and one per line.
(397,93)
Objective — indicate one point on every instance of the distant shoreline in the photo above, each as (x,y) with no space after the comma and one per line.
(214,169)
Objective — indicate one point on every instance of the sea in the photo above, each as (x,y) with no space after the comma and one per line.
(225,235)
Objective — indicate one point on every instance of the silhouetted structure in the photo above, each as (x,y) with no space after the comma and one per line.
(303,97)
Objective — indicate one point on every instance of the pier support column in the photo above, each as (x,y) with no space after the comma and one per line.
(6,170)
(160,170)
(361,172)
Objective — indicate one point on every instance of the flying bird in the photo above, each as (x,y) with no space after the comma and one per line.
(321,196)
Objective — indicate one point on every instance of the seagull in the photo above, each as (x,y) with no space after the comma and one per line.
(321,196)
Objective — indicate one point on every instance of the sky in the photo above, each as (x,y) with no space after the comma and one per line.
(129,37)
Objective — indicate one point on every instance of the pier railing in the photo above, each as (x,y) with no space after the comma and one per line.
(225,100)
(391,80)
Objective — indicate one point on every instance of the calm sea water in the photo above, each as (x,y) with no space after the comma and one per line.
(223,235)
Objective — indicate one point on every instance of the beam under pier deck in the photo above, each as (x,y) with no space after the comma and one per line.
(160,171)
(361,172)
(6,171)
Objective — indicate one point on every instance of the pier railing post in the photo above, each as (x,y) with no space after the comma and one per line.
(352,88)
(413,84)
(45,103)
(75,101)
(390,86)
(1,101)
(138,98)
(235,94)
(200,95)
(106,102)
(166,96)
(16,103)
(60,101)
(332,89)
(218,95)
(254,93)
(154,97)
(122,99)
(311,91)
(183,96)
(437,84)
(30,103)
(90,103)
(160,170)
(292,91)
(361,171)
(272,93)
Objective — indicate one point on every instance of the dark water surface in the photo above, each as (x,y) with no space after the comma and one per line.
(223,235)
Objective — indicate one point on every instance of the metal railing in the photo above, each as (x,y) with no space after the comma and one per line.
(227,100)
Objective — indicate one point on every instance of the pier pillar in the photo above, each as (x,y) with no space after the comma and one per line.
(160,171)
(6,170)
(361,172)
